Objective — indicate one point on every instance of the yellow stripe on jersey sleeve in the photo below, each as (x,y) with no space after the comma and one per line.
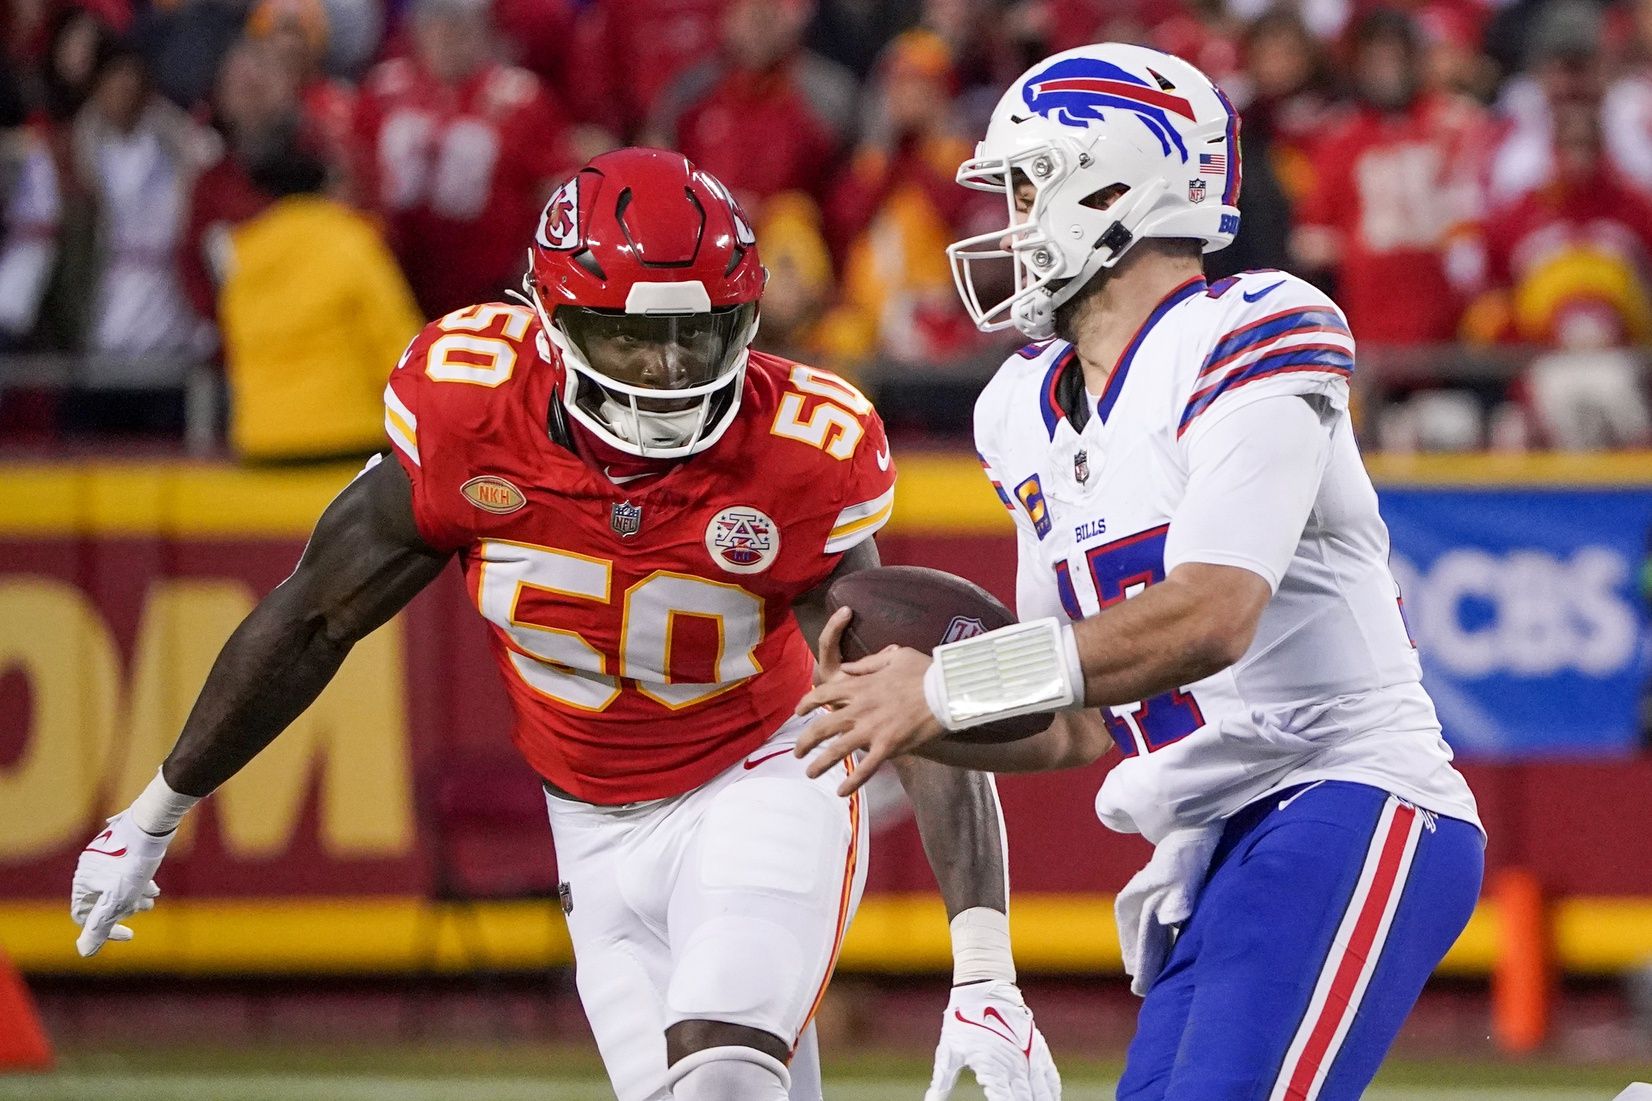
(859,522)
(401,425)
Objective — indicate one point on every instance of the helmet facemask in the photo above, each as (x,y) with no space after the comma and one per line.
(1049,267)
(660,385)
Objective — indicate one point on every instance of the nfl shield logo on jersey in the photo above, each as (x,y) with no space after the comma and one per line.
(625,518)
(743,540)
(1196,191)
(962,627)
(1081,467)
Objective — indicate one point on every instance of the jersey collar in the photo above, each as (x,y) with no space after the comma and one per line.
(1063,391)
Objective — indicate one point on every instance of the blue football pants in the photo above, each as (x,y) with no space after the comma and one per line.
(1326,909)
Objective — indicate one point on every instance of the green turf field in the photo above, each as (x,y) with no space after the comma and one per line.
(513,1074)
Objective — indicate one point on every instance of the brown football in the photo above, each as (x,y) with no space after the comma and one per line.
(922,608)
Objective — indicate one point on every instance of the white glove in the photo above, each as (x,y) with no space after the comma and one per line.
(990,1030)
(114,880)
(1160,897)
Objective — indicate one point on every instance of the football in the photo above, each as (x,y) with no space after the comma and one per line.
(922,608)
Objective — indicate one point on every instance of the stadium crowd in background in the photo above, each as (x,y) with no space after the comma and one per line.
(1471,178)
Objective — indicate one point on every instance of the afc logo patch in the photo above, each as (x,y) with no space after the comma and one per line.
(743,540)
(1031,496)
(962,627)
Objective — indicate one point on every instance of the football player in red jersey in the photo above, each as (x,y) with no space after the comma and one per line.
(647,514)
(457,153)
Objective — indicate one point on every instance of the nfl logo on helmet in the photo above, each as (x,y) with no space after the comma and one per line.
(1196,191)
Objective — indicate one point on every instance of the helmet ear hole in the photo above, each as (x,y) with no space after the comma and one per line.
(1106,197)
(585,259)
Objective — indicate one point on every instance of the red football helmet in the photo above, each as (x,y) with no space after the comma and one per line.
(645,275)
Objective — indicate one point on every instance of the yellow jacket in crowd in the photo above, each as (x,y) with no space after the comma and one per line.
(314,314)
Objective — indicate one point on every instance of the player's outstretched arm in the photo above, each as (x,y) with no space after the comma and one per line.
(987,1026)
(363,563)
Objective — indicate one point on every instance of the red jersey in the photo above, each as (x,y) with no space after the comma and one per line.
(1393,187)
(459,173)
(645,632)
(1578,260)
(759,133)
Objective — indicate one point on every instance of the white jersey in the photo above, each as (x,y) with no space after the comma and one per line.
(1330,688)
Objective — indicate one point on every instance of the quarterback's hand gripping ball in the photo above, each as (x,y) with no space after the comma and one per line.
(114,879)
(990,1030)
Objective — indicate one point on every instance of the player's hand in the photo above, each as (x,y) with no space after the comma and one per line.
(114,880)
(830,658)
(876,707)
(990,1030)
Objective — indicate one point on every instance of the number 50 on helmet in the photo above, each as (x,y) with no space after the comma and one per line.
(645,276)
(1119,143)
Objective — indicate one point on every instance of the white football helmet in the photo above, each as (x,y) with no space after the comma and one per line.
(1073,126)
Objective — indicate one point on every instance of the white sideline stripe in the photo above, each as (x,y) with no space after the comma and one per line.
(1339,948)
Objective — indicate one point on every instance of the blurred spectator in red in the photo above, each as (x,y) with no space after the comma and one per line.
(1454,62)
(255,106)
(899,208)
(457,153)
(1564,70)
(1394,179)
(766,116)
(1569,268)
(297,31)
(630,52)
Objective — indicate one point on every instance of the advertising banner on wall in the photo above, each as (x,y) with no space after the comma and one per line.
(1525,604)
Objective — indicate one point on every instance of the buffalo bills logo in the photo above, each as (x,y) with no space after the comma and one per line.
(559,225)
(1077,91)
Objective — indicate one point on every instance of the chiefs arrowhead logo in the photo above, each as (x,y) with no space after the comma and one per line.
(559,224)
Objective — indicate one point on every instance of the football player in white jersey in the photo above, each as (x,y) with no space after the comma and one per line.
(1202,583)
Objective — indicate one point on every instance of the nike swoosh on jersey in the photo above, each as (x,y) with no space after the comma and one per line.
(1253,296)
(883,460)
(753,762)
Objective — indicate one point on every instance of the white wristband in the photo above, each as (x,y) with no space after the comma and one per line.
(159,809)
(981,947)
(1021,669)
